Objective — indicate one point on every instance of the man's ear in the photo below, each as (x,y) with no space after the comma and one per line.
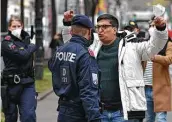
(115,30)
(92,34)
(89,34)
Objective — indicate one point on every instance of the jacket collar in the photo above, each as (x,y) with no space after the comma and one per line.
(80,40)
(13,37)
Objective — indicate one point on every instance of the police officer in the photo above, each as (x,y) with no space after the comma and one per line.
(75,75)
(18,75)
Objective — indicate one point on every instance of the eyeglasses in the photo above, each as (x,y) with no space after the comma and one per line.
(103,27)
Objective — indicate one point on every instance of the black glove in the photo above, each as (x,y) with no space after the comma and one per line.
(66,23)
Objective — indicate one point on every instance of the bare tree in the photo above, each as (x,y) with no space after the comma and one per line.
(4,4)
(39,57)
(22,10)
(94,3)
(66,5)
(90,7)
(54,19)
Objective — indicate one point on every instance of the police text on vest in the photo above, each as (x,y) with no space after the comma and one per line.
(66,56)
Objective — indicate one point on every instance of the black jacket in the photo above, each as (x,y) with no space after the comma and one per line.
(18,57)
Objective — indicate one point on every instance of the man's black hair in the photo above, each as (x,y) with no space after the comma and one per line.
(113,20)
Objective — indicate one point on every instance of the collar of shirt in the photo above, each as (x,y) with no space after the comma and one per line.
(81,40)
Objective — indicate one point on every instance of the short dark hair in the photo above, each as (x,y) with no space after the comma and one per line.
(113,20)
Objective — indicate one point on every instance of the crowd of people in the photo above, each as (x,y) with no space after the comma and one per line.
(99,75)
(124,70)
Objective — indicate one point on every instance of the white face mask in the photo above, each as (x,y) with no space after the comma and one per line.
(151,31)
(17,33)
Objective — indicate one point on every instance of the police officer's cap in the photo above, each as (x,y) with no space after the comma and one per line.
(82,20)
(131,25)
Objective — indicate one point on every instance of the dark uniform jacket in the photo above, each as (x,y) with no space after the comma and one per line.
(18,58)
(75,75)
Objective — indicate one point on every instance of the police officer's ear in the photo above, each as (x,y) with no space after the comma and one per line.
(91,36)
(90,33)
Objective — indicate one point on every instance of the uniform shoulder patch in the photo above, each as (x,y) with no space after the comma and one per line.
(7,38)
(95,79)
(91,52)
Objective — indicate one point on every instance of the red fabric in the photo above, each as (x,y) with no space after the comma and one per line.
(8,38)
(91,52)
(170,33)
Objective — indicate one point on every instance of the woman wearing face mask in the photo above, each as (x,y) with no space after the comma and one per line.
(157,83)
(18,74)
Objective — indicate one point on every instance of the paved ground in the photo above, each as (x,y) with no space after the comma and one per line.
(46,109)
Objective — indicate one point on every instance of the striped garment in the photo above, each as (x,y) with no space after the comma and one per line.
(148,73)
